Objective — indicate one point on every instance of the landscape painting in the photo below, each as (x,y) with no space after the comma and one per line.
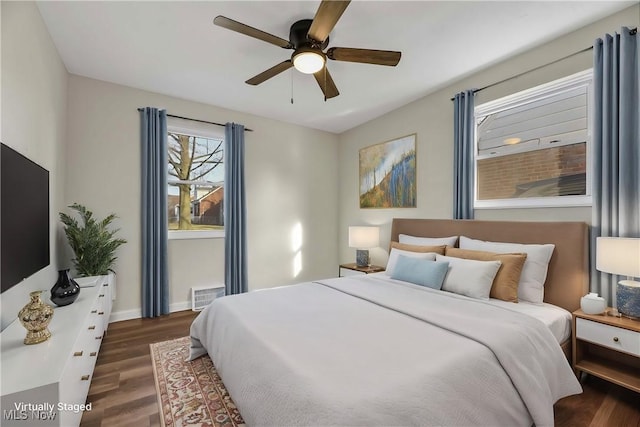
(388,174)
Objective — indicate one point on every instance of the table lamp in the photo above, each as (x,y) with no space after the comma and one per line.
(619,255)
(363,238)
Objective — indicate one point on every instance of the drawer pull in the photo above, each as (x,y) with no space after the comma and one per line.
(94,311)
(84,378)
(616,339)
(99,338)
(92,327)
(101,313)
(92,354)
(100,296)
(77,353)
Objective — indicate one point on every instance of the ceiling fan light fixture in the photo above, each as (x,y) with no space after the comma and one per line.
(308,61)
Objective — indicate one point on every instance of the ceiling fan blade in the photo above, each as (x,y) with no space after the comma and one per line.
(326,83)
(238,27)
(366,56)
(326,17)
(271,72)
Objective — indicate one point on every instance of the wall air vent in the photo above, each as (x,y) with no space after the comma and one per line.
(202,296)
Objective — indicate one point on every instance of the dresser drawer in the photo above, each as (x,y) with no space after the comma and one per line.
(107,302)
(91,337)
(74,386)
(608,336)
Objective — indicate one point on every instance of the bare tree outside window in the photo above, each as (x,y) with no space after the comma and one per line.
(196,182)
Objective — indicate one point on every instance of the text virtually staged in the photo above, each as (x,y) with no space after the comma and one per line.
(30,411)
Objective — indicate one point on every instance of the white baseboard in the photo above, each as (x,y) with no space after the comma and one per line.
(118,316)
(180,306)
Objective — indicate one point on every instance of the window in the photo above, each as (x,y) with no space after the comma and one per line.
(532,148)
(195,190)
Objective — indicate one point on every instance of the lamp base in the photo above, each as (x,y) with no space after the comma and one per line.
(628,298)
(362,258)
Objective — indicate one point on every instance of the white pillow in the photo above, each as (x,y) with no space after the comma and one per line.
(469,277)
(427,241)
(534,271)
(395,253)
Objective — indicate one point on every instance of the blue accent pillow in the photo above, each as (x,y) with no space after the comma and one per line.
(420,271)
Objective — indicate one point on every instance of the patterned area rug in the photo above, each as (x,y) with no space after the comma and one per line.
(190,393)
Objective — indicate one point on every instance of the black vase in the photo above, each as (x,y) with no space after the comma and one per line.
(66,290)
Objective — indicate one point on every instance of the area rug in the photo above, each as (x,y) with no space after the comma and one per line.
(190,393)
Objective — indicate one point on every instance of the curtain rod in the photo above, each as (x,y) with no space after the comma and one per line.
(203,121)
(531,70)
(632,31)
(198,120)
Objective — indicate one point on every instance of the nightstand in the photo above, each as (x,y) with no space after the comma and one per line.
(353,269)
(607,347)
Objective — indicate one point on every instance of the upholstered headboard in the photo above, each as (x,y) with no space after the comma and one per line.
(568,275)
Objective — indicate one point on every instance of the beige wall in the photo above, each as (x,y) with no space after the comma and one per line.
(86,133)
(431,118)
(291,175)
(33,122)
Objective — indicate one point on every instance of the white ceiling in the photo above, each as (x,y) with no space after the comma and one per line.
(173,48)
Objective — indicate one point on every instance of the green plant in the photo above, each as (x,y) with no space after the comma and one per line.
(93,244)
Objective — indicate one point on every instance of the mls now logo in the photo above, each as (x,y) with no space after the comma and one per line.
(23,415)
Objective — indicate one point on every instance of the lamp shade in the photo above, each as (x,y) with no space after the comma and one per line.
(364,237)
(618,255)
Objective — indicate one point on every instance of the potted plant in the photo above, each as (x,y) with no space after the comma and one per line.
(93,244)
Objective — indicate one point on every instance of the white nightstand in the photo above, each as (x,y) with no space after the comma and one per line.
(607,347)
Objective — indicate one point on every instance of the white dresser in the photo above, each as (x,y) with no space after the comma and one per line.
(46,384)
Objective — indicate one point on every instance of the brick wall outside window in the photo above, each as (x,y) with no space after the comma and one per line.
(498,177)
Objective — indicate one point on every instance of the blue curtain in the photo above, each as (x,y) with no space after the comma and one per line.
(155,281)
(235,211)
(616,146)
(463,142)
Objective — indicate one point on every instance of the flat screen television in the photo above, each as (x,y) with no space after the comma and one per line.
(24,217)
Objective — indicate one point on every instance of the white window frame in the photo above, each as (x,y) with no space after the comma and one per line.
(202,130)
(580,79)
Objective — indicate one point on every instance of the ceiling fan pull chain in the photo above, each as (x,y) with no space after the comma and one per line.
(325,83)
(291,87)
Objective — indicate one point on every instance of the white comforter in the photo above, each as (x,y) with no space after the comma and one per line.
(371,351)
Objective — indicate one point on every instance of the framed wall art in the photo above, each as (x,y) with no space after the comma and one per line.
(388,174)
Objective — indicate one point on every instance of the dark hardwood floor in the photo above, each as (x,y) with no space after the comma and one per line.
(122,389)
(601,404)
(123,393)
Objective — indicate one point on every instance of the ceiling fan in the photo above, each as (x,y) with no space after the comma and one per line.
(308,38)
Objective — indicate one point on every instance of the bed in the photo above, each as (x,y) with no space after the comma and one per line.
(372,350)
